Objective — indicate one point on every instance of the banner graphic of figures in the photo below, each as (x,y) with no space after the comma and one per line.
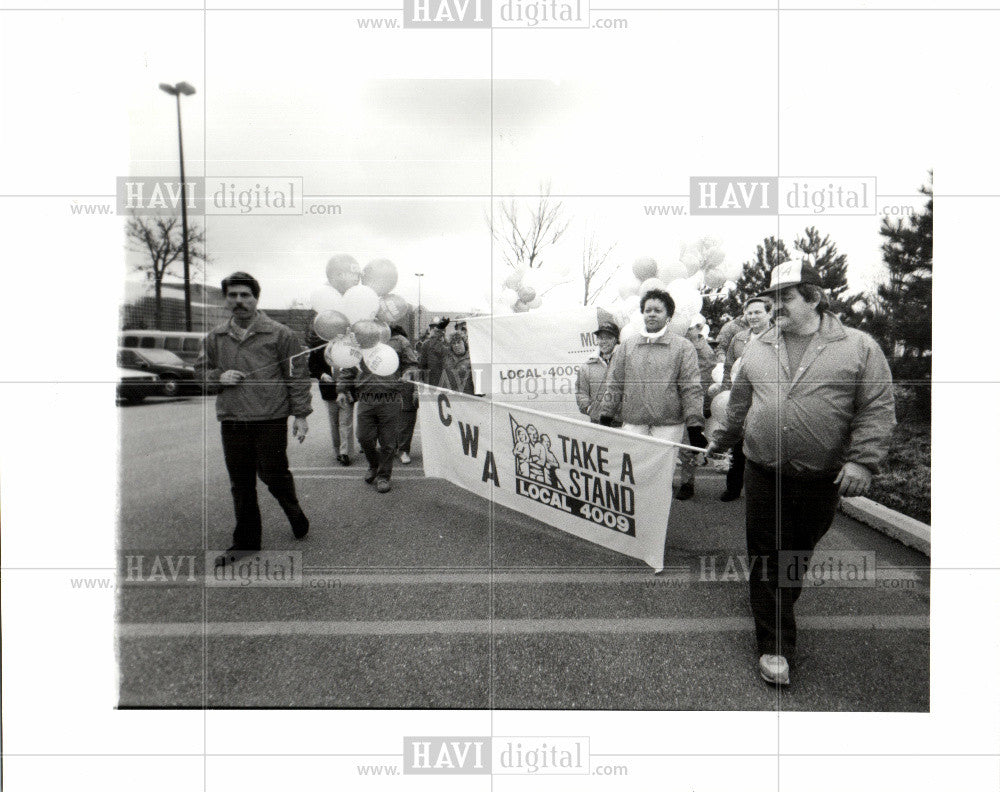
(596,483)
(602,502)
(533,359)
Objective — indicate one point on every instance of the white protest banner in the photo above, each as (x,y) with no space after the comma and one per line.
(596,483)
(532,358)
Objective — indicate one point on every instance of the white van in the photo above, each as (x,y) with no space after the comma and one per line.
(187,346)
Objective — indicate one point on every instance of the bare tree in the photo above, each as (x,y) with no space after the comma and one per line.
(593,262)
(523,235)
(162,240)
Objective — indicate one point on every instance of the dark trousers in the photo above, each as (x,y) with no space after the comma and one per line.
(789,516)
(734,477)
(378,433)
(252,449)
(407,423)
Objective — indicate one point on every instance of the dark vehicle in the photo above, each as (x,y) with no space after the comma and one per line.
(176,376)
(134,386)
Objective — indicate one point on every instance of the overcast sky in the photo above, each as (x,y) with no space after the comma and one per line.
(409,134)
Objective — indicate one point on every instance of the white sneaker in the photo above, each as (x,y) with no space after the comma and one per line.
(774,669)
(404,458)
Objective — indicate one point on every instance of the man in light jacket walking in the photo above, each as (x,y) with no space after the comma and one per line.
(813,402)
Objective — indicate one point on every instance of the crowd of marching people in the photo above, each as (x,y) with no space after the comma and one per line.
(382,409)
(809,416)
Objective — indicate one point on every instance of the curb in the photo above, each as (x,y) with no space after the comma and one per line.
(906,530)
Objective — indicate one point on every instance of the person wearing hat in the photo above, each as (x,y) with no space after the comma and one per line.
(432,352)
(592,379)
(706,362)
(812,401)
(757,312)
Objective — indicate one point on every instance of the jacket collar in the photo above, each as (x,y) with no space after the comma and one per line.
(830,329)
(262,323)
(665,337)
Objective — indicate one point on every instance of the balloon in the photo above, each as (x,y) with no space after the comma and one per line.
(627,332)
(631,305)
(360,302)
(326,298)
(680,323)
(644,268)
(392,309)
(715,278)
(512,281)
(508,297)
(367,332)
(384,333)
(526,294)
(671,272)
(714,257)
(649,284)
(381,360)
(628,287)
(720,404)
(717,372)
(341,354)
(343,272)
(519,307)
(536,303)
(380,276)
(686,297)
(330,324)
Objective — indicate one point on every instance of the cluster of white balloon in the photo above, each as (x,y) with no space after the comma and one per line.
(354,311)
(699,266)
(520,291)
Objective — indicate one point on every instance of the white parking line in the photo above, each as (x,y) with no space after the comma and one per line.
(331,578)
(504,626)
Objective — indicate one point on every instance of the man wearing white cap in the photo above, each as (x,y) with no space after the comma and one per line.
(813,402)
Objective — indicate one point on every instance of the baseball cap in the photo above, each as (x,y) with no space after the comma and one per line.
(440,323)
(610,328)
(792,273)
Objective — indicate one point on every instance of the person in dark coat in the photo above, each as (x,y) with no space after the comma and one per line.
(456,369)
(408,409)
(341,414)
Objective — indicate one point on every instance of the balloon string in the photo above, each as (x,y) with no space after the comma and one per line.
(286,360)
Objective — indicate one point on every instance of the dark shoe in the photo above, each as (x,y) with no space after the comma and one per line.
(685,491)
(773,669)
(300,526)
(233,554)
(343,459)
(370,476)
(383,485)
(729,496)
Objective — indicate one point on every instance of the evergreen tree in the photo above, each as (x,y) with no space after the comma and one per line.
(903,316)
(754,278)
(756,275)
(831,265)
(822,253)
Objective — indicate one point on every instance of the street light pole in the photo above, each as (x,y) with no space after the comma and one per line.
(176,91)
(420,280)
